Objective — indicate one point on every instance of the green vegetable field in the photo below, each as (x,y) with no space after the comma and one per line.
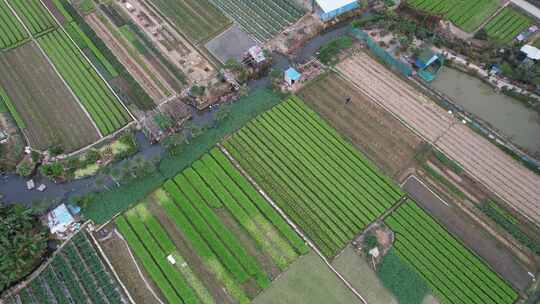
(100,102)
(466,14)
(76,272)
(320,180)
(454,274)
(507,25)
(261,19)
(200,202)
(34,15)
(198,19)
(11,30)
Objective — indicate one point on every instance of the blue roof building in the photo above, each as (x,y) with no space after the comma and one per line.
(292,76)
(60,219)
(428,63)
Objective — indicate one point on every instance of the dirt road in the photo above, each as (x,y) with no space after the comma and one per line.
(471,234)
(151,88)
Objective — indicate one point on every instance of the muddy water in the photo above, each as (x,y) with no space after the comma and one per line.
(513,119)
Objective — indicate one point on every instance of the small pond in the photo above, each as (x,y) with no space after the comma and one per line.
(517,122)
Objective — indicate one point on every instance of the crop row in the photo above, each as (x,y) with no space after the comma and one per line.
(197,209)
(263,206)
(91,90)
(11,30)
(64,273)
(85,276)
(313,173)
(138,96)
(507,25)
(243,210)
(198,19)
(55,286)
(454,273)
(146,259)
(84,42)
(159,246)
(261,19)
(102,276)
(210,258)
(75,275)
(189,286)
(34,15)
(467,15)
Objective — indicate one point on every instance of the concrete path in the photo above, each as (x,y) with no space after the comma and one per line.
(526,6)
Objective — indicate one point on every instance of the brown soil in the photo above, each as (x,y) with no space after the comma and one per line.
(378,134)
(508,263)
(385,239)
(247,242)
(51,113)
(296,35)
(192,258)
(123,56)
(171,44)
(504,176)
(171,80)
(118,254)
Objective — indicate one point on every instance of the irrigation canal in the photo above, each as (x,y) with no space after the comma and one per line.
(13,187)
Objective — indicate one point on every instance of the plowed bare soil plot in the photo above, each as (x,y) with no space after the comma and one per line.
(381,136)
(115,45)
(504,176)
(49,110)
(498,171)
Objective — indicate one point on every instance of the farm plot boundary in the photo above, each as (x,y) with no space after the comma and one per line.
(47,112)
(201,204)
(261,19)
(317,175)
(451,270)
(76,274)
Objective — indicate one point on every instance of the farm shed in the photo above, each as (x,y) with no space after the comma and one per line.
(60,219)
(292,76)
(531,52)
(428,63)
(329,9)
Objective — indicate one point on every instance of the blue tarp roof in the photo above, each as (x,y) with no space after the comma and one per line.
(292,74)
(62,214)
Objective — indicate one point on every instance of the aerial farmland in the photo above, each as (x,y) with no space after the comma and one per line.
(466,15)
(269,152)
(89,108)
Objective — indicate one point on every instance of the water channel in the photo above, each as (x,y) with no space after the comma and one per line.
(513,119)
(13,187)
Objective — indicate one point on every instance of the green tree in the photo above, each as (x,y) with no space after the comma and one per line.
(23,241)
(174,143)
(481,34)
(24,169)
(56,150)
(54,170)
